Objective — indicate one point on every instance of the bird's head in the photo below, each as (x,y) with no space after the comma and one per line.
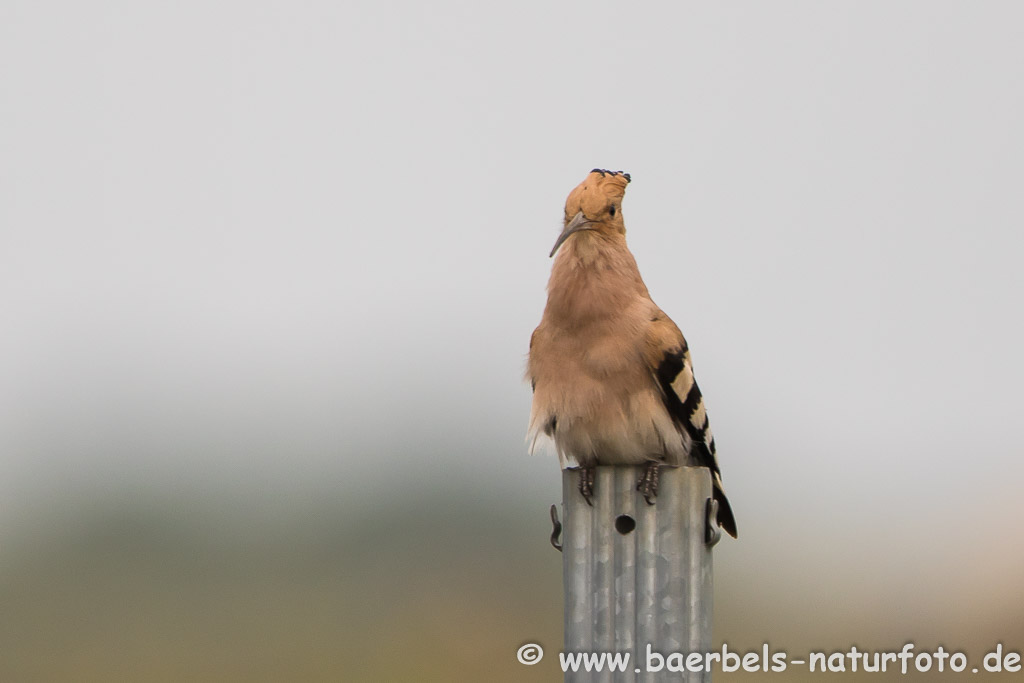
(595,204)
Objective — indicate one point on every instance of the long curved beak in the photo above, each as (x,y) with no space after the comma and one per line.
(578,222)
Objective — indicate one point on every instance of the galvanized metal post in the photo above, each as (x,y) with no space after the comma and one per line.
(637,575)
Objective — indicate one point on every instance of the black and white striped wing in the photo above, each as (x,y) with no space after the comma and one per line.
(685,404)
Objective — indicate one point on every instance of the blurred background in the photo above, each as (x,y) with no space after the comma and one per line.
(268,274)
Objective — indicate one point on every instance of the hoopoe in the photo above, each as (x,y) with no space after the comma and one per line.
(611,373)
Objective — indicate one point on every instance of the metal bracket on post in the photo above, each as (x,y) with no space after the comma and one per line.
(712,534)
(556,528)
(637,577)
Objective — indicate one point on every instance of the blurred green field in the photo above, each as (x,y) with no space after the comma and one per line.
(438,587)
(123,590)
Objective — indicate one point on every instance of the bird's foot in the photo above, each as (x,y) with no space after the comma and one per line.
(648,484)
(587,484)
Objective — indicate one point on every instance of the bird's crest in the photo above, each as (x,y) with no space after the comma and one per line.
(597,190)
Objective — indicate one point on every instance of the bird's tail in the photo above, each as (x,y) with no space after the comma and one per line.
(725,516)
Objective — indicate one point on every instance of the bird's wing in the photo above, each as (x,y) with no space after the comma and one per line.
(669,359)
(529,372)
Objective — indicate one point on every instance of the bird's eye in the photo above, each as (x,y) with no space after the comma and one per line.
(612,210)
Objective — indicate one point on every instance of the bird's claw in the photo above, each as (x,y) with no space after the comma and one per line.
(648,484)
(587,485)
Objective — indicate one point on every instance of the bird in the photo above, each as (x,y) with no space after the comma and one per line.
(611,373)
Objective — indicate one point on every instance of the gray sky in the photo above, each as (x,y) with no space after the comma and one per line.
(272,244)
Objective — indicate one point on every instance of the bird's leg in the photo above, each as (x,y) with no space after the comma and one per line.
(648,484)
(587,484)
